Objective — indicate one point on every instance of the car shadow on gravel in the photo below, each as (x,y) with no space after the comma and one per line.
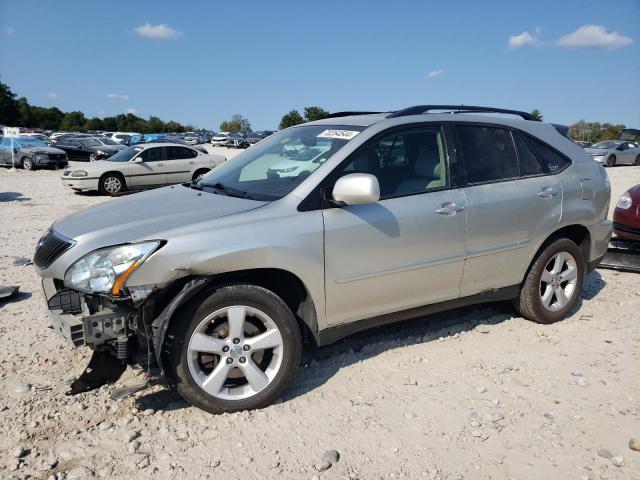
(13,197)
(320,364)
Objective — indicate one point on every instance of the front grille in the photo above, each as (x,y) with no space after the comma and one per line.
(57,156)
(50,247)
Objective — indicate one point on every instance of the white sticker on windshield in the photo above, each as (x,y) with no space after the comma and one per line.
(344,134)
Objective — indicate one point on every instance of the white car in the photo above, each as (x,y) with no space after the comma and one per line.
(220,139)
(122,137)
(141,166)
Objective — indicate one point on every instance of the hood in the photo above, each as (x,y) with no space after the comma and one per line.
(43,150)
(143,215)
(635,194)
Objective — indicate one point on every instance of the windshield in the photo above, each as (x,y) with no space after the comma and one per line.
(274,167)
(90,142)
(31,142)
(606,145)
(124,155)
(107,141)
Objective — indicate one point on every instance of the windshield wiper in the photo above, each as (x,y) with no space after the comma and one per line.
(232,192)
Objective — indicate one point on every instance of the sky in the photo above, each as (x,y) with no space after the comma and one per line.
(200,62)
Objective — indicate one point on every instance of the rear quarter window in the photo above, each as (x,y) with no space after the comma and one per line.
(552,160)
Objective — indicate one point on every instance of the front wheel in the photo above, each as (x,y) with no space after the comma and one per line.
(553,283)
(112,183)
(27,163)
(637,162)
(611,161)
(237,349)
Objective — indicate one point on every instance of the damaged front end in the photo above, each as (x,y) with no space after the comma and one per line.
(123,331)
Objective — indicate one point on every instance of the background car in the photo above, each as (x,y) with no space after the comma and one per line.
(220,139)
(141,166)
(85,149)
(626,216)
(123,137)
(30,153)
(615,152)
(236,140)
(583,144)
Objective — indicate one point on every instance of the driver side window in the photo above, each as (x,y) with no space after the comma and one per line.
(405,162)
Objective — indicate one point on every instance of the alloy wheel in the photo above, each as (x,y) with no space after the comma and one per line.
(558,281)
(112,184)
(27,163)
(235,352)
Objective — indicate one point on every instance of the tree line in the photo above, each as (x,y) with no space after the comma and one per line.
(18,112)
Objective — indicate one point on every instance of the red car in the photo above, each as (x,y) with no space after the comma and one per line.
(626,216)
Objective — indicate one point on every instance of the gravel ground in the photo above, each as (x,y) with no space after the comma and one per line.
(476,393)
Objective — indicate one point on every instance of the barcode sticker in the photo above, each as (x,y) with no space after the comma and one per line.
(343,134)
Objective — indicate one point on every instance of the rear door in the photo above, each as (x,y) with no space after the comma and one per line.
(180,163)
(513,202)
(148,168)
(406,250)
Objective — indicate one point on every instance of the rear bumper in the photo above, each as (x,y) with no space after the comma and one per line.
(600,234)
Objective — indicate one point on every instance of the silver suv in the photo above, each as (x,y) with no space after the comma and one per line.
(319,231)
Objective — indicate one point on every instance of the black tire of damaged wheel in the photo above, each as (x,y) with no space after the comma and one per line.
(104,179)
(187,319)
(529,303)
(199,172)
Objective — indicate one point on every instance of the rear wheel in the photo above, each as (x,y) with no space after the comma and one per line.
(198,174)
(611,161)
(637,162)
(112,183)
(553,283)
(27,163)
(237,349)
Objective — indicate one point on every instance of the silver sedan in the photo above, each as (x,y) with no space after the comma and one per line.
(615,152)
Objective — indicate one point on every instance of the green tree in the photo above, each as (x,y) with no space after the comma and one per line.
(314,113)
(594,131)
(536,113)
(290,119)
(72,121)
(237,124)
(8,106)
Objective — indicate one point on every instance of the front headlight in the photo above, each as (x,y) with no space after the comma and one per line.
(106,270)
(79,173)
(625,201)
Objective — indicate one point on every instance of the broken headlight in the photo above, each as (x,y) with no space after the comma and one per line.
(106,270)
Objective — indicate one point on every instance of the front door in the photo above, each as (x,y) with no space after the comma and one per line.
(147,168)
(406,250)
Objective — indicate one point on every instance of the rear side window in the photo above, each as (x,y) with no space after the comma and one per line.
(177,153)
(529,163)
(488,153)
(550,158)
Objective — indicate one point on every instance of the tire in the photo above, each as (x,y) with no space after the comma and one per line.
(637,162)
(199,173)
(611,161)
(535,290)
(191,370)
(27,163)
(112,183)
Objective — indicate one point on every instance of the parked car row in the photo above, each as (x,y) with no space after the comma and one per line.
(239,140)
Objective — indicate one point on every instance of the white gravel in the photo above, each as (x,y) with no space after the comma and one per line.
(477,393)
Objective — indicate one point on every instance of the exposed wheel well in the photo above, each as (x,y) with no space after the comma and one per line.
(579,234)
(281,282)
(200,171)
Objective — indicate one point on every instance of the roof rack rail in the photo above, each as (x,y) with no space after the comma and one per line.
(419,109)
(348,114)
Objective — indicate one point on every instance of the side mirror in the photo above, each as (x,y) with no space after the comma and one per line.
(356,189)
(138,159)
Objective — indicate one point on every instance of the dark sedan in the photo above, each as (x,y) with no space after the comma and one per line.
(88,149)
(30,153)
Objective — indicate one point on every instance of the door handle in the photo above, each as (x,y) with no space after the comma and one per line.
(450,208)
(547,192)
